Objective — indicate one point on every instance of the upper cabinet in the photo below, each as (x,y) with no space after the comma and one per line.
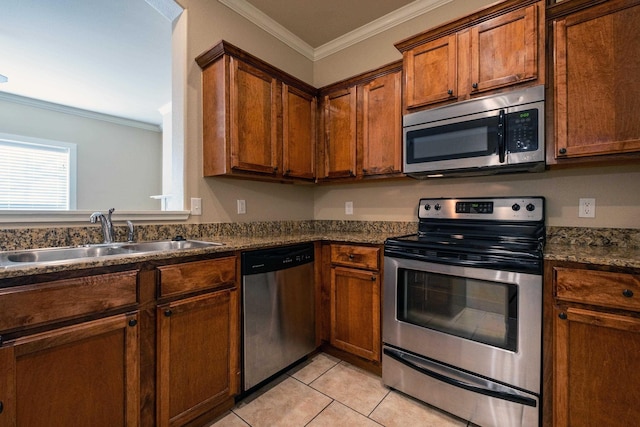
(258,122)
(362,126)
(495,48)
(596,95)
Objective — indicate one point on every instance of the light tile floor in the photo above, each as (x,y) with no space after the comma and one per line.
(325,391)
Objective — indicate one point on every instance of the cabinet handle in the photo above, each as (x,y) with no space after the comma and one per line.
(133,322)
(287,172)
(168,313)
(563,315)
(1,406)
(350,256)
(562,151)
(475,85)
(351,173)
(450,92)
(275,169)
(627,293)
(373,278)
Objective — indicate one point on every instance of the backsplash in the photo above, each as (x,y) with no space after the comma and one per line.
(29,238)
(619,237)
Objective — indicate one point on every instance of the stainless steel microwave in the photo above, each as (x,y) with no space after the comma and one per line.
(488,135)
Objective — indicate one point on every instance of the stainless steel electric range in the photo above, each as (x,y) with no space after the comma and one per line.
(462,312)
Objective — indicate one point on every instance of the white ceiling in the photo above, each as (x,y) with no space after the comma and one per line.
(113,56)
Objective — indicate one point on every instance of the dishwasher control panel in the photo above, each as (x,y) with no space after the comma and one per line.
(280,258)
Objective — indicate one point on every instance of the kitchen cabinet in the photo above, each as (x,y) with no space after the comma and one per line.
(596,61)
(299,133)
(355,300)
(362,122)
(495,48)
(596,342)
(198,343)
(258,122)
(65,357)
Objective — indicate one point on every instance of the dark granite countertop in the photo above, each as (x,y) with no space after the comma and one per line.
(230,244)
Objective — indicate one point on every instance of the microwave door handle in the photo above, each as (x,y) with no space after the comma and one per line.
(502,147)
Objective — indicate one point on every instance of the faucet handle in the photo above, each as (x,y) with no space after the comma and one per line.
(131,233)
(110,212)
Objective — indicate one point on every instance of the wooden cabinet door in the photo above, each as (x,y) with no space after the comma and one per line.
(340,134)
(596,69)
(355,312)
(596,373)
(381,144)
(85,374)
(431,72)
(504,50)
(298,133)
(198,350)
(254,110)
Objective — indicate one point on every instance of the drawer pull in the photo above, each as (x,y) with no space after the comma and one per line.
(350,256)
(627,293)
(133,322)
(563,315)
(168,313)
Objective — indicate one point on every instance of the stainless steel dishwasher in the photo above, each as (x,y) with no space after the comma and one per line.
(278,310)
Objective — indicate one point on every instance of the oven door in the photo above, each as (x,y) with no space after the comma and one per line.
(483,321)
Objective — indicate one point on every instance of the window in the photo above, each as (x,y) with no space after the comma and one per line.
(36,174)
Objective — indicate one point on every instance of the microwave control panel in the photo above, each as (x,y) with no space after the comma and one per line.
(522,131)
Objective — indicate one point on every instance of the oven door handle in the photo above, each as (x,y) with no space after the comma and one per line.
(464,380)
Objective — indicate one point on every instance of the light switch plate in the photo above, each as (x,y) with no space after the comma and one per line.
(196,206)
(242,207)
(348,208)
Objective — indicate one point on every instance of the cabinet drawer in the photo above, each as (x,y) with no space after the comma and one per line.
(356,256)
(195,276)
(603,288)
(30,305)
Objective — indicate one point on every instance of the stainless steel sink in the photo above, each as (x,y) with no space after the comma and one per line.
(168,245)
(59,255)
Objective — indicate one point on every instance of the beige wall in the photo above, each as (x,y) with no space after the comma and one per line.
(616,189)
(208,22)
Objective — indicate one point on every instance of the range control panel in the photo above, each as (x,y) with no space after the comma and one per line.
(493,209)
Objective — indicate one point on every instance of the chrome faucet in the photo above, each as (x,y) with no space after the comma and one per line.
(107,225)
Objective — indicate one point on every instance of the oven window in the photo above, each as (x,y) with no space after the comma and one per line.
(478,310)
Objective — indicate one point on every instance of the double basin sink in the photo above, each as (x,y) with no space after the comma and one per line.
(57,255)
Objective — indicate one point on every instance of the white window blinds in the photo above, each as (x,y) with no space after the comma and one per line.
(36,176)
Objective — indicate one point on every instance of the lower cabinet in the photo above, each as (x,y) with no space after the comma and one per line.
(84,374)
(354,300)
(596,343)
(198,341)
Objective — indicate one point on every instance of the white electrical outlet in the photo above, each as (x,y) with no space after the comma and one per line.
(242,207)
(348,208)
(587,208)
(196,206)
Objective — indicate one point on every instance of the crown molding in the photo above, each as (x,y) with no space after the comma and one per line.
(37,103)
(257,17)
(371,29)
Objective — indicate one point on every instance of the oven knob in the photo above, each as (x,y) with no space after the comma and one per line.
(437,206)
(427,207)
(531,207)
(515,207)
